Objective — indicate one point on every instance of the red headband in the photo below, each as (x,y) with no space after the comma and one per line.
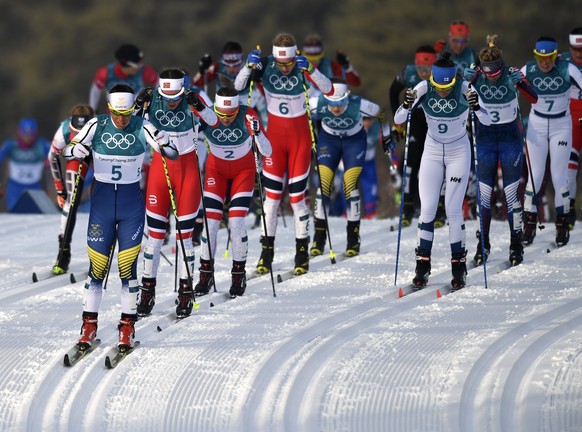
(424,58)
(461,30)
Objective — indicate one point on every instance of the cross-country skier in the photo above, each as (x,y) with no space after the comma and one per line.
(284,75)
(117,142)
(447,154)
(65,185)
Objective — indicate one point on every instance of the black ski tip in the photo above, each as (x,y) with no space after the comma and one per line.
(279,278)
(67,360)
(34,277)
(72,278)
(391,228)
(547,250)
(159,328)
(211,304)
(108,364)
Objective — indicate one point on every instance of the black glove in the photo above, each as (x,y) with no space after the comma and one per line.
(388,145)
(193,99)
(143,97)
(343,59)
(473,100)
(204,63)
(409,98)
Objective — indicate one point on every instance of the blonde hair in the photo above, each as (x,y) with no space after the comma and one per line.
(284,40)
(491,53)
(83,109)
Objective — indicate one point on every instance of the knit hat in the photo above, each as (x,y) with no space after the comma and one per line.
(129,55)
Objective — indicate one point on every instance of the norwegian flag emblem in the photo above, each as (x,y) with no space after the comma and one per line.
(227,103)
(166,85)
(282,53)
(578,40)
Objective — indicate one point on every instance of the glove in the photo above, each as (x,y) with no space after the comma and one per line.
(193,99)
(303,63)
(61,193)
(254,58)
(515,75)
(398,132)
(161,138)
(204,63)
(343,59)
(440,45)
(409,98)
(253,124)
(472,100)
(80,151)
(469,74)
(143,97)
(389,145)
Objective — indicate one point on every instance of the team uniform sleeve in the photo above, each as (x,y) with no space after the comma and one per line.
(84,137)
(150,76)
(402,112)
(482,114)
(320,81)
(576,75)
(395,88)
(369,109)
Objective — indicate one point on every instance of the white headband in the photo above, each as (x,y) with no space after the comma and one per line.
(576,41)
(171,84)
(121,101)
(340,91)
(226,103)
(284,53)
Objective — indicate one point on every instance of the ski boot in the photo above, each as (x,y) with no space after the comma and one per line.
(319,238)
(530,221)
(126,332)
(185,298)
(459,270)
(422,270)
(353,246)
(515,250)
(147,296)
(301,256)
(63,259)
(479,258)
(88,330)
(267,254)
(206,277)
(562,230)
(407,214)
(239,279)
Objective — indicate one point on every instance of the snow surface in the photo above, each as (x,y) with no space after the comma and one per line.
(335,350)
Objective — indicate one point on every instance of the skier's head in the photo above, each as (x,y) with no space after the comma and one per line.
(313,48)
(443,74)
(285,52)
(491,58)
(576,45)
(171,86)
(232,57)
(546,52)
(80,115)
(338,101)
(424,57)
(27,132)
(458,36)
(129,57)
(226,101)
(121,103)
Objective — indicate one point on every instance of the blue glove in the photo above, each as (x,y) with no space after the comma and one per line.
(469,74)
(515,76)
(303,63)
(254,58)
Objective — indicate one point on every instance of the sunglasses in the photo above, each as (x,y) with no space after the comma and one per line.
(171,98)
(226,116)
(459,40)
(423,68)
(338,103)
(285,64)
(546,58)
(122,113)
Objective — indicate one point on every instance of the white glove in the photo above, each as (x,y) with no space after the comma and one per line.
(161,138)
(80,151)
(253,124)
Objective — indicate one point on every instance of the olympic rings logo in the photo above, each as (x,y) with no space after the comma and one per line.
(442,105)
(548,83)
(339,123)
(117,140)
(283,83)
(169,118)
(224,135)
(493,92)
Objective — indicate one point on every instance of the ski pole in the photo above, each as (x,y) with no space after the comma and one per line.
(405,162)
(256,153)
(251,84)
(161,253)
(480,206)
(528,163)
(109,261)
(314,147)
(201,183)
(227,243)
